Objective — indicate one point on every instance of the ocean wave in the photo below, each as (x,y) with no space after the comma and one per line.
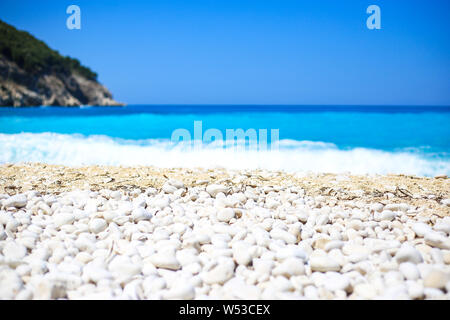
(291,155)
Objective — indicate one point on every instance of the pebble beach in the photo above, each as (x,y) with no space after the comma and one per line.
(100,232)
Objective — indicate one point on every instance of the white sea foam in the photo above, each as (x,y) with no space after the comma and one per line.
(75,150)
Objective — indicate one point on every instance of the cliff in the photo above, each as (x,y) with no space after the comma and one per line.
(32,74)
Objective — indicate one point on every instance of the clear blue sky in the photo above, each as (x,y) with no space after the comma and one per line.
(253,51)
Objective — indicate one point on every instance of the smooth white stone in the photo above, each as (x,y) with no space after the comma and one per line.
(280,234)
(225,214)
(10,284)
(47,290)
(437,240)
(14,251)
(123,268)
(409,271)
(97,225)
(176,183)
(378,207)
(387,215)
(442,227)
(61,219)
(407,253)
(167,188)
(161,203)
(289,267)
(263,266)
(436,279)
(415,290)
(241,290)
(18,201)
(241,253)
(323,263)
(291,251)
(166,259)
(181,291)
(335,281)
(219,273)
(95,273)
(334,244)
(214,189)
(140,214)
(421,229)
(365,291)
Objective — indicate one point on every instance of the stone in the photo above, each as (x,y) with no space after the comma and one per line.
(123,268)
(241,253)
(291,251)
(365,291)
(442,227)
(407,253)
(241,290)
(281,234)
(97,225)
(409,271)
(335,282)
(176,183)
(436,279)
(437,240)
(14,251)
(214,189)
(386,215)
(17,201)
(320,243)
(323,263)
(140,214)
(334,244)
(166,259)
(161,203)
(376,207)
(167,188)
(181,291)
(10,284)
(289,267)
(47,289)
(225,214)
(61,219)
(415,290)
(187,256)
(219,273)
(421,229)
(95,273)
(263,266)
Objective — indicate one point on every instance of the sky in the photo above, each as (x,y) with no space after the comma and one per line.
(253,51)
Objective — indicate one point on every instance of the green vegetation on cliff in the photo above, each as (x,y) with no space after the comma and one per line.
(34,56)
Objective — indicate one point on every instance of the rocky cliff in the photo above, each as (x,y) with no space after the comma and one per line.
(32,74)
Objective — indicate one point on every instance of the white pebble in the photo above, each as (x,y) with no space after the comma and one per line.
(409,271)
(408,253)
(421,229)
(18,201)
(225,214)
(97,225)
(323,263)
(214,189)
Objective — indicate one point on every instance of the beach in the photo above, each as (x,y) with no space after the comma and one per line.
(143,232)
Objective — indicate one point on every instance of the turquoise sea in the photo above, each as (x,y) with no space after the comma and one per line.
(357,139)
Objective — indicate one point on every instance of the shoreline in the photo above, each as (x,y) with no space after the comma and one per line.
(390,188)
(150,233)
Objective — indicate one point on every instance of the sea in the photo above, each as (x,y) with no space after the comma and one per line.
(413,140)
